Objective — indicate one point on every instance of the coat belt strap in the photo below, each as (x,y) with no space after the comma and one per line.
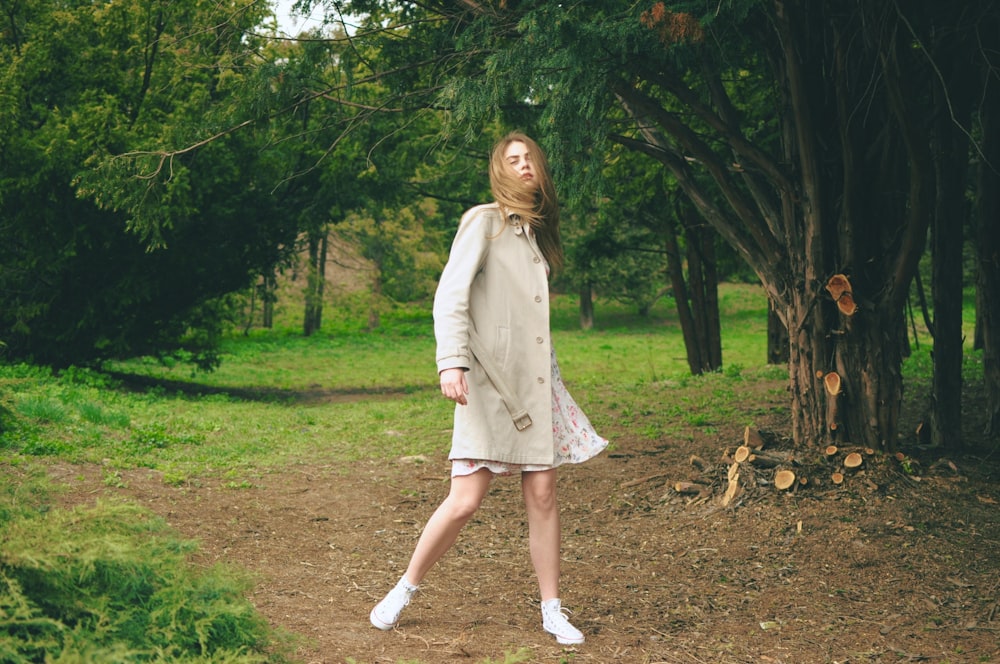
(520,416)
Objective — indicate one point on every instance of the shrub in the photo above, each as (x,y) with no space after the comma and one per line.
(112,583)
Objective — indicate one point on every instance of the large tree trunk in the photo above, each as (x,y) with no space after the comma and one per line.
(988,254)
(852,221)
(951,150)
(675,268)
(703,279)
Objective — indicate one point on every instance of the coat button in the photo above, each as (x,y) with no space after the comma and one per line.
(538,298)
(537,259)
(539,340)
(541,380)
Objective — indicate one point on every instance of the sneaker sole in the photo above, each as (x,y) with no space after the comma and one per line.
(378,624)
(566,641)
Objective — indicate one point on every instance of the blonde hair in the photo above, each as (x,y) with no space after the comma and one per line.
(537,207)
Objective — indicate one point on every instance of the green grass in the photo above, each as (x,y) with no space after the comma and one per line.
(344,394)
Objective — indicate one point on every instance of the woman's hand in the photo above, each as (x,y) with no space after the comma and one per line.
(453,385)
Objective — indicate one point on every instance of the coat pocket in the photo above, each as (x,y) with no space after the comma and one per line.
(501,345)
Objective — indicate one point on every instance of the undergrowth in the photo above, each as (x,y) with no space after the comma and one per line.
(112,583)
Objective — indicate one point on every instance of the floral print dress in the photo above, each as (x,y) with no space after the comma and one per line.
(573,436)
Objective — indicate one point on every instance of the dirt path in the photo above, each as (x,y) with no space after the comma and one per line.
(883,569)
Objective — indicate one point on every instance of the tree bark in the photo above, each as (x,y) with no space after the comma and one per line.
(988,254)
(703,279)
(777,337)
(692,342)
(951,153)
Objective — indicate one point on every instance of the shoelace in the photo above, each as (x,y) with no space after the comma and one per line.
(558,615)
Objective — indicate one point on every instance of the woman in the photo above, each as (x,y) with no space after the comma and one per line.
(514,414)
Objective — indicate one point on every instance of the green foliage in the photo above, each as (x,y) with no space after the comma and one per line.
(112,583)
(114,245)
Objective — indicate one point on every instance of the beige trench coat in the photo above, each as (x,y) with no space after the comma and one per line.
(495,281)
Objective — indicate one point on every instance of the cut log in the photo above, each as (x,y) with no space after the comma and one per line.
(753,439)
(733,488)
(830,450)
(832,383)
(641,480)
(690,487)
(767,460)
(846,304)
(838,478)
(742,454)
(698,463)
(783,479)
(837,285)
(853,460)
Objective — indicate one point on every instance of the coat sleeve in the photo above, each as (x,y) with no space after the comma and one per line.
(452,317)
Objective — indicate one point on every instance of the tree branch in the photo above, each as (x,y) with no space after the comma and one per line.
(640,106)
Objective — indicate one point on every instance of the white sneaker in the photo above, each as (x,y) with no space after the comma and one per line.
(385,615)
(554,622)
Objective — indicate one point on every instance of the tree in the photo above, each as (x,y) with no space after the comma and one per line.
(951,111)
(988,253)
(365,168)
(102,258)
(698,299)
(641,249)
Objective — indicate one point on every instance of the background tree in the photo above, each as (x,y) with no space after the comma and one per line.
(643,249)
(988,249)
(371,166)
(110,262)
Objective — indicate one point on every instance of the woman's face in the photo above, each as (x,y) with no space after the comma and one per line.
(519,162)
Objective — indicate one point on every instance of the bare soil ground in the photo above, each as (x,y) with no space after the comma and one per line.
(890,566)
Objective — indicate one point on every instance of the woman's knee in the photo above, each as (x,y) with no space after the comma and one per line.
(462,505)
(467,494)
(540,494)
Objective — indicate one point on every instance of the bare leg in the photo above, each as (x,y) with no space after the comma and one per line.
(441,531)
(539,489)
